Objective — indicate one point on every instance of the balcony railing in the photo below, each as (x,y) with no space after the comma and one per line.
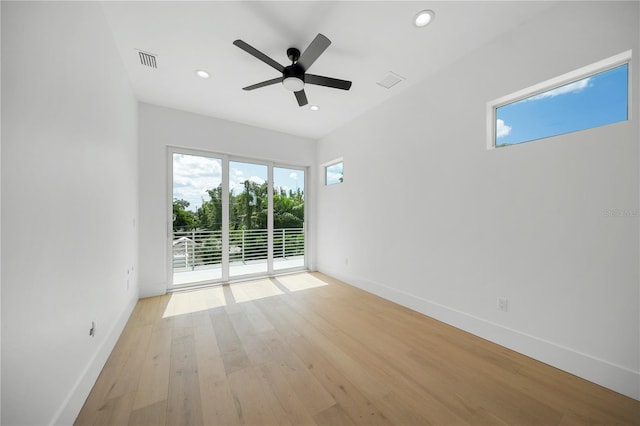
(198,248)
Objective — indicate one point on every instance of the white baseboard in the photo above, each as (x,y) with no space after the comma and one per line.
(601,372)
(76,398)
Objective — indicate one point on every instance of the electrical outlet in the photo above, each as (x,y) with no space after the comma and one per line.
(92,330)
(503,304)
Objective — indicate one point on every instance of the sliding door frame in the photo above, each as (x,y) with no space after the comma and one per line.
(225,258)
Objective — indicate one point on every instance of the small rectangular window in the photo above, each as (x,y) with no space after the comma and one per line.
(333,173)
(593,96)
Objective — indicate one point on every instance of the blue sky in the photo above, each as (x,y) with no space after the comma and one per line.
(334,173)
(193,175)
(591,102)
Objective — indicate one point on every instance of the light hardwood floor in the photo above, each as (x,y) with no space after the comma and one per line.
(306,349)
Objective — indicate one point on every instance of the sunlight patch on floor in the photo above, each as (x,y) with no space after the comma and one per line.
(254,290)
(187,302)
(194,301)
(299,282)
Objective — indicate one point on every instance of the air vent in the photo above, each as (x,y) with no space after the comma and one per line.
(390,80)
(147,59)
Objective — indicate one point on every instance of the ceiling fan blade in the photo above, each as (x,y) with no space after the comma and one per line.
(258,54)
(263,84)
(327,81)
(315,49)
(301,97)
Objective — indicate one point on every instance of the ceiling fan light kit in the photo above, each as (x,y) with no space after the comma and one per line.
(294,84)
(295,76)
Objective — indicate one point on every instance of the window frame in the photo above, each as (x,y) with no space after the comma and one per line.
(226,159)
(553,83)
(325,168)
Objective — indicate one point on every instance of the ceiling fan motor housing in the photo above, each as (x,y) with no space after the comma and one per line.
(293,75)
(294,70)
(293,54)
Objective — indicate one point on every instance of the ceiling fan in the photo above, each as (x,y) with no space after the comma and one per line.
(295,76)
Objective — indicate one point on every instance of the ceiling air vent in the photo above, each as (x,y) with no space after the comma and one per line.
(390,80)
(147,59)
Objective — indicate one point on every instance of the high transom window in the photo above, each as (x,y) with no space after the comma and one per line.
(333,173)
(593,96)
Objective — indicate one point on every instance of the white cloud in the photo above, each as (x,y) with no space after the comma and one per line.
(333,176)
(256,179)
(293,175)
(574,87)
(236,183)
(193,176)
(502,129)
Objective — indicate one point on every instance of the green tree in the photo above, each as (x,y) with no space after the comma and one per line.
(183,219)
(288,212)
(209,215)
(249,208)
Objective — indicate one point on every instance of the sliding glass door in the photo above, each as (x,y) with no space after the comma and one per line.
(196,235)
(248,219)
(232,218)
(288,218)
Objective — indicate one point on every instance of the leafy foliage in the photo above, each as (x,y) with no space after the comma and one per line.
(182,218)
(249,210)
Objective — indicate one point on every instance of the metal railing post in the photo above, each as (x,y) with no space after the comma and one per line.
(284,244)
(193,249)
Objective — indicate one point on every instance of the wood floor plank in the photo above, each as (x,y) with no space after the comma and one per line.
(308,389)
(120,373)
(146,311)
(351,320)
(307,349)
(183,400)
(258,320)
(334,416)
(576,396)
(295,410)
(348,396)
(115,411)
(488,388)
(233,353)
(153,384)
(311,326)
(257,351)
(218,407)
(151,415)
(253,404)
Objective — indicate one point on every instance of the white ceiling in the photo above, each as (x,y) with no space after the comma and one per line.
(369,39)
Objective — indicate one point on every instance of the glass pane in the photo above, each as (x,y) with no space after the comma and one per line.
(594,101)
(288,218)
(248,207)
(197,219)
(333,174)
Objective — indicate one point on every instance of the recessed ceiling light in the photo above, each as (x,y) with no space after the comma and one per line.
(423,18)
(202,74)
(314,108)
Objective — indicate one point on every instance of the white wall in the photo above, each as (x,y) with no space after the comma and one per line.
(69,202)
(428,217)
(163,127)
